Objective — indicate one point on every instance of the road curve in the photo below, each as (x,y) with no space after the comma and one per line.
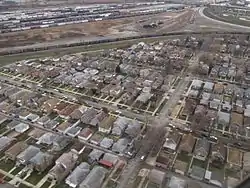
(221,22)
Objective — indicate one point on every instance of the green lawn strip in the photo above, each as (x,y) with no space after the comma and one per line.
(46,184)
(232,173)
(23,186)
(152,185)
(183,157)
(35,177)
(3,130)
(18,169)
(199,163)
(61,185)
(6,165)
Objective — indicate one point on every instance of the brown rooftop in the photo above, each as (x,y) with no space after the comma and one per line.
(68,110)
(13,151)
(63,126)
(187,143)
(60,106)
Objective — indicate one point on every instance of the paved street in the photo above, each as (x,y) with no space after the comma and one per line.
(130,173)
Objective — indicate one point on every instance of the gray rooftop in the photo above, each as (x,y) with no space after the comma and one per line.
(78,175)
(27,154)
(106,142)
(95,178)
(4,142)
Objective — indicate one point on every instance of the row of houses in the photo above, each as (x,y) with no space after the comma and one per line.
(178,150)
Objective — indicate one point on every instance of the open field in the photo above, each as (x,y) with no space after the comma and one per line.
(120,27)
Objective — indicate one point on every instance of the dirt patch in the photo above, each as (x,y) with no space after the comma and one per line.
(55,33)
(120,27)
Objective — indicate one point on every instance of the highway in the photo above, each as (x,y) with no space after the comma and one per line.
(221,22)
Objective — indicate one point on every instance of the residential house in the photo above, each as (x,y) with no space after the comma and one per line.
(239,93)
(226,107)
(60,106)
(52,124)
(95,178)
(196,84)
(157,177)
(133,129)
(88,115)
(172,142)
(78,148)
(98,118)
(105,126)
(15,150)
(5,142)
(43,120)
(193,93)
(208,87)
(25,156)
(41,161)
(121,145)
(60,142)
(22,127)
(120,125)
(218,154)
(214,103)
(95,155)
(63,127)
(74,131)
(187,143)
(32,117)
(63,165)
(229,89)
(77,113)
(238,107)
(200,110)
(96,139)
(223,118)
(47,138)
(24,114)
(65,113)
(106,143)
(36,133)
(201,149)
(78,175)
(144,96)
(113,159)
(164,160)
(49,105)
(85,134)
(218,88)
